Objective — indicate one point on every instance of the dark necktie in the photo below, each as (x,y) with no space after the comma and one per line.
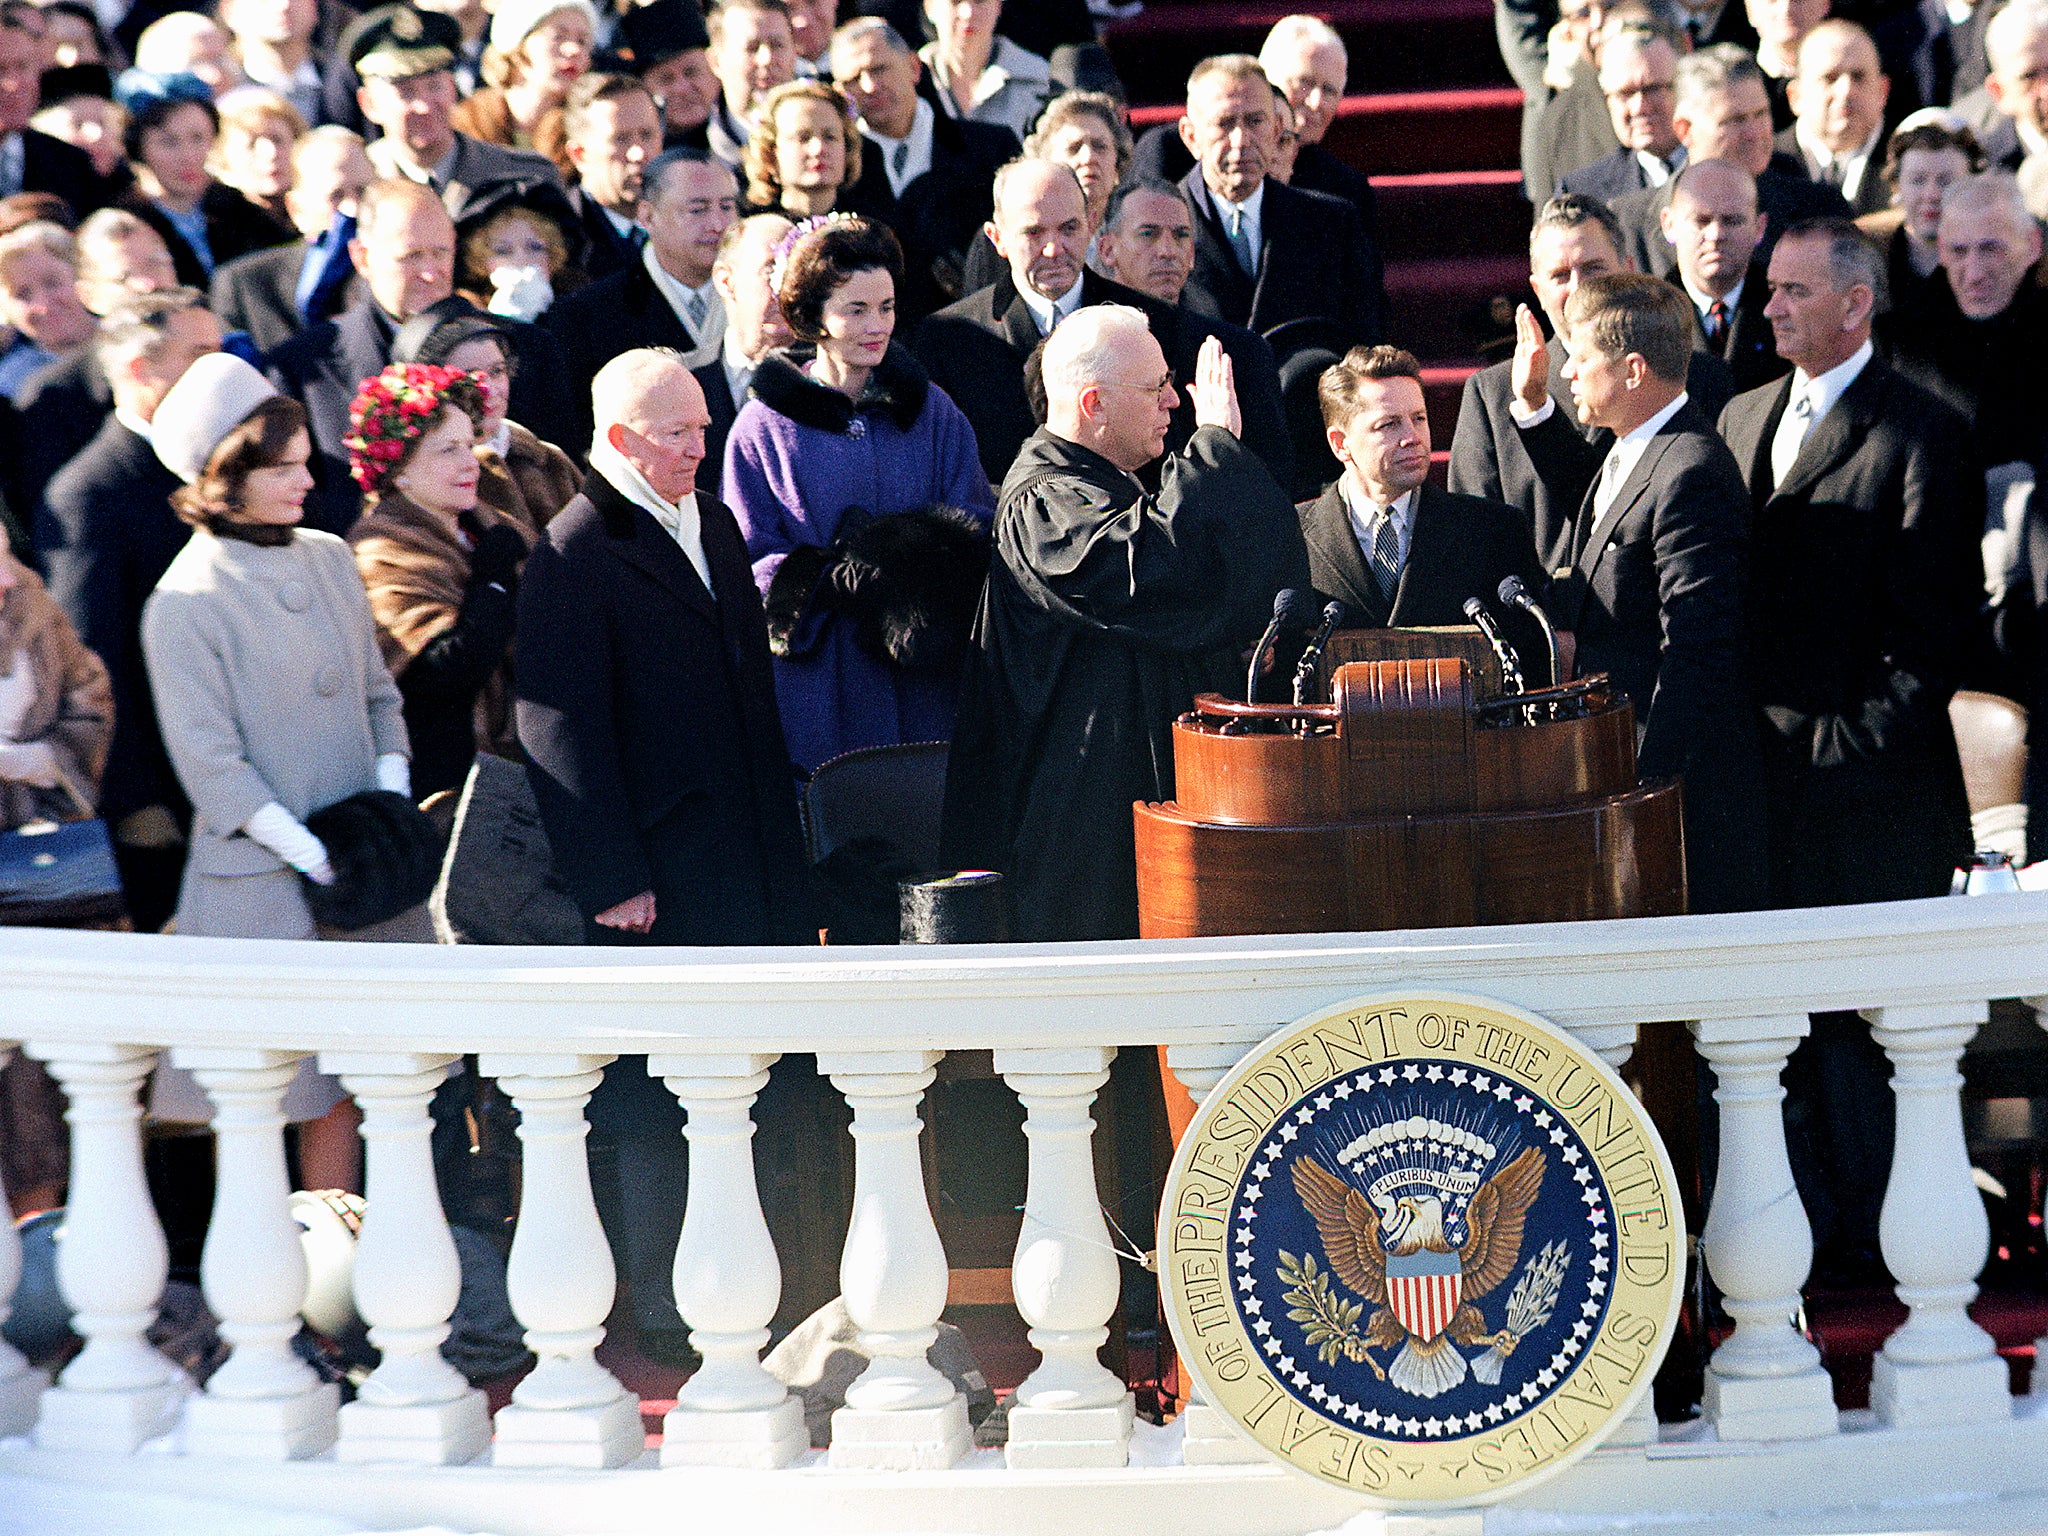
(1386,556)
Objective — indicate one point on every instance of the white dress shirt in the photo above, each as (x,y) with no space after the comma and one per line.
(915,145)
(1367,515)
(1048,313)
(679,519)
(739,370)
(1702,301)
(1659,170)
(1822,392)
(1820,160)
(1253,209)
(1623,457)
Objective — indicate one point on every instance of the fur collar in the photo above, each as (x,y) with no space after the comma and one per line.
(898,387)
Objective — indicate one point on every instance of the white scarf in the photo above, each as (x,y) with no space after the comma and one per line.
(679,518)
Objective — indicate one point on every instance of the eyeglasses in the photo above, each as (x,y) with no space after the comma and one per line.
(1158,391)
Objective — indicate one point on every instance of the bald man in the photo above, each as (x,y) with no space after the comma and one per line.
(1714,229)
(404,253)
(647,710)
(1839,96)
(1108,610)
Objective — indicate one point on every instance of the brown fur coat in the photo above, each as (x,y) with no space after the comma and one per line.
(533,482)
(416,568)
(73,705)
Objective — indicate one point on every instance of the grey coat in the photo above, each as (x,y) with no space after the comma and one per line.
(269,686)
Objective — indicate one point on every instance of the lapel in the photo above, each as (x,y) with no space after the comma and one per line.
(1213,255)
(364,348)
(1273,210)
(1429,541)
(1633,489)
(640,541)
(1335,543)
(649,306)
(1013,321)
(1834,436)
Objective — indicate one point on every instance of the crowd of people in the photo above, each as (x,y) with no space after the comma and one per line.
(674,402)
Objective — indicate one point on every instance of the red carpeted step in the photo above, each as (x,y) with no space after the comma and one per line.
(1440,307)
(1392,43)
(1403,132)
(1452,213)
(1443,386)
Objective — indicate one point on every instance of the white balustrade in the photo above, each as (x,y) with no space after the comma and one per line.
(263,1400)
(1206,1436)
(1940,1367)
(728,1281)
(1072,1411)
(414,1407)
(1765,1382)
(569,1411)
(900,1413)
(20,1386)
(119,1393)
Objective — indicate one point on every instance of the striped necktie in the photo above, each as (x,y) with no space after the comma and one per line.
(1386,555)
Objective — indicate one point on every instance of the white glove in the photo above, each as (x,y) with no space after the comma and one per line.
(286,836)
(30,762)
(520,293)
(394,773)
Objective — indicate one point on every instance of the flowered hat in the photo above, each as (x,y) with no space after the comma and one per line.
(393,410)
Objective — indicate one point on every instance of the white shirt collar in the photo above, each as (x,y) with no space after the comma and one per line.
(1625,454)
(1855,164)
(1050,312)
(919,140)
(1639,437)
(1704,301)
(1251,207)
(500,441)
(1366,513)
(679,519)
(1659,169)
(1825,390)
(132,422)
(677,293)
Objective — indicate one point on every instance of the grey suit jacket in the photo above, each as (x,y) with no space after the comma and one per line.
(477,165)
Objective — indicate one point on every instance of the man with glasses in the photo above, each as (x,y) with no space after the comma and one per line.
(1636,74)
(1108,610)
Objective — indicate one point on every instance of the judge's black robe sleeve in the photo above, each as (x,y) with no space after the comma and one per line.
(1107,611)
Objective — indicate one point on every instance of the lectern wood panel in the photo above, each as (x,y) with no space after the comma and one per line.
(1407,729)
(1460,640)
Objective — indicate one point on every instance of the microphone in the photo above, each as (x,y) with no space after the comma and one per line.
(1333,618)
(1290,611)
(1510,664)
(1515,595)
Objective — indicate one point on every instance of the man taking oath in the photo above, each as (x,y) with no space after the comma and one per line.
(1107,611)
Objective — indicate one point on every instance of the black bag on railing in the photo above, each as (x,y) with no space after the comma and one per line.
(59,874)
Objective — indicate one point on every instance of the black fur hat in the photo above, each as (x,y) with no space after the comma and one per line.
(386,856)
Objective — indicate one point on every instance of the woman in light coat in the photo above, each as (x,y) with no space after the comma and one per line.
(273,696)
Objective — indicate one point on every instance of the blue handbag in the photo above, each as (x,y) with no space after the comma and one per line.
(59,874)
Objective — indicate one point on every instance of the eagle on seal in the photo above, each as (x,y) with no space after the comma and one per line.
(1398,1259)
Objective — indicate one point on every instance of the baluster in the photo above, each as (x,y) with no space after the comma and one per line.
(263,1401)
(1207,1440)
(569,1411)
(901,1414)
(1940,1367)
(415,1407)
(1612,1043)
(1072,1411)
(119,1392)
(1765,1381)
(731,1413)
(20,1386)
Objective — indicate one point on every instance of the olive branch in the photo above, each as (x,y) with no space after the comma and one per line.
(1329,1323)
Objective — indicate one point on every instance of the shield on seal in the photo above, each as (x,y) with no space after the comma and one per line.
(1423,1288)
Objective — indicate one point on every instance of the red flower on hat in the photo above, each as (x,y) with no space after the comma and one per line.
(393,410)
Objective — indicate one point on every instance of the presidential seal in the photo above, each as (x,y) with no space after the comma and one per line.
(1427,1249)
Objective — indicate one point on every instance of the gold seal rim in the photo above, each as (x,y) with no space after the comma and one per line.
(1217,1393)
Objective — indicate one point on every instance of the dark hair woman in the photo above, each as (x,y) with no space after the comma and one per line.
(441,568)
(172,129)
(841,470)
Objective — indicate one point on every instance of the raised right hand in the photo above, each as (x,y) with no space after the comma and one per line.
(1530,372)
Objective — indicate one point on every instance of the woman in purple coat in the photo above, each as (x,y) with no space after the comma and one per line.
(863,501)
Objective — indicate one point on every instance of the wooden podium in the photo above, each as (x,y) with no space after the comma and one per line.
(1408,801)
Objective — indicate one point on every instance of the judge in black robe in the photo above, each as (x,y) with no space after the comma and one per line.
(1108,609)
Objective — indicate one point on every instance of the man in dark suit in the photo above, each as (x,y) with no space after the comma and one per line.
(666,297)
(1653,589)
(2015,46)
(405,58)
(1392,548)
(275,294)
(404,251)
(647,710)
(31,161)
(753,327)
(1839,96)
(611,130)
(1574,240)
(976,350)
(1305,58)
(1723,113)
(927,174)
(1713,229)
(106,533)
(1863,591)
(1267,253)
(1636,74)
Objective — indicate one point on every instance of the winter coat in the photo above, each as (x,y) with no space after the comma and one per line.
(71,708)
(531,483)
